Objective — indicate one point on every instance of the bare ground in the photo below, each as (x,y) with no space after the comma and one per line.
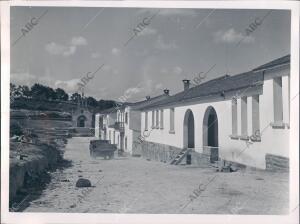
(135,185)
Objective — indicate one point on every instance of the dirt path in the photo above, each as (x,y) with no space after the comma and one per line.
(134,185)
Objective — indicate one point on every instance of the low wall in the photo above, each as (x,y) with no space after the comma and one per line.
(28,162)
(166,153)
(277,163)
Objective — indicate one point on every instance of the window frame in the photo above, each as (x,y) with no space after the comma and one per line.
(244,118)
(161,122)
(172,121)
(146,121)
(277,103)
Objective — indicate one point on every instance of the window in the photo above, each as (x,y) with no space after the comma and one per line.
(234,117)
(244,128)
(255,117)
(161,119)
(126,118)
(278,105)
(172,117)
(157,120)
(125,142)
(146,120)
(153,116)
(114,137)
(109,136)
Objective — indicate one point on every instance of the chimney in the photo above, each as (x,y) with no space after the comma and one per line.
(147,97)
(166,91)
(186,84)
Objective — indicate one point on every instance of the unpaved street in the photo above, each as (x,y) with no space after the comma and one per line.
(135,185)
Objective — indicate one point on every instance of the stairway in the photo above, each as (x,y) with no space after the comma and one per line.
(179,157)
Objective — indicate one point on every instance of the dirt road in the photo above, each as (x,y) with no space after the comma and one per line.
(135,185)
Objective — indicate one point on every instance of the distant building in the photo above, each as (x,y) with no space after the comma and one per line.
(82,117)
(122,125)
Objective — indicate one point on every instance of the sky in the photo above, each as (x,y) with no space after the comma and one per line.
(123,58)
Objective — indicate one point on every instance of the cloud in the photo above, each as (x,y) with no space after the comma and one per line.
(69,51)
(23,78)
(231,36)
(177,70)
(95,55)
(169,12)
(68,85)
(115,71)
(158,86)
(141,90)
(28,79)
(148,31)
(106,68)
(133,90)
(116,51)
(65,50)
(162,45)
(164,71)
(77,41)
(55,49)
(178,12)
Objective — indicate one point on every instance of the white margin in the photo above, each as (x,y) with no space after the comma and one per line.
(32,218)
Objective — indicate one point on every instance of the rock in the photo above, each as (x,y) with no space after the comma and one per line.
(80,171)
(82,182)
(100,170)
(65,180)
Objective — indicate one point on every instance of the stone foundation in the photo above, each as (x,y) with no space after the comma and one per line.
(136,148)
(277,163)
(166,153)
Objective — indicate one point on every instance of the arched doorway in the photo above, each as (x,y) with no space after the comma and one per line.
(81,121)
(210,133)
(188,130)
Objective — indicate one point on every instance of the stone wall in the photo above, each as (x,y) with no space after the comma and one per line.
(37,159)
(277,163)
(136,148)
(166,153)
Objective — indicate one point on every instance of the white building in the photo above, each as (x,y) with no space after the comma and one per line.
(243,119)
(122,125)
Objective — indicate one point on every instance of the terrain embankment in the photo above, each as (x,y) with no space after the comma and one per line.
(36,148)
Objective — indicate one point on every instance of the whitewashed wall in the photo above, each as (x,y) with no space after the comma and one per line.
(97,122)
(273,141)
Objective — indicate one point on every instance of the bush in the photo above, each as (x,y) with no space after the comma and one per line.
(15,129)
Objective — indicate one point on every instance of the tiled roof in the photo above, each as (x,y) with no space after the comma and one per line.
(135,105)
(109,110)
(219,85)
(148,102)
(279,61)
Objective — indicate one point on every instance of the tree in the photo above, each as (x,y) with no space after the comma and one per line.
(75,97)
(61,94)
(12,90)
(26,91)
(105,104)
(91,101)
(42,92)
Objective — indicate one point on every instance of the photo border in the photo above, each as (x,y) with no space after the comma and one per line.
(32,218)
